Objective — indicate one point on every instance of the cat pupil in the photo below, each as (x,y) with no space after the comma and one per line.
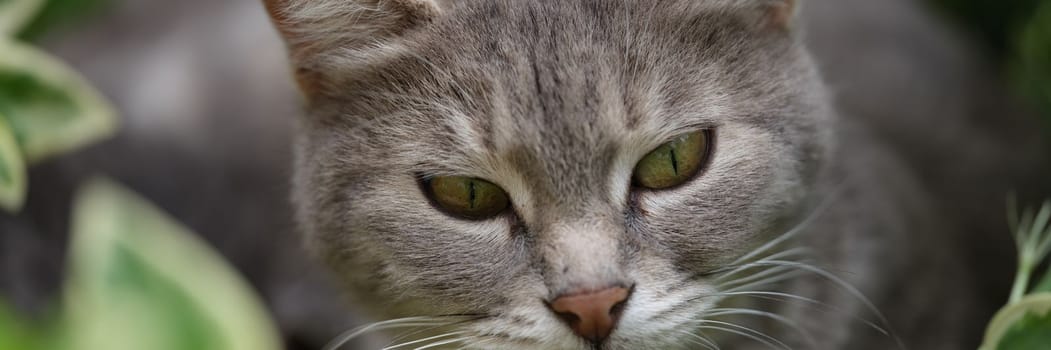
(471,194)
(674,162)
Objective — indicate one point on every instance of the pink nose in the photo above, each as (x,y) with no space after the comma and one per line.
(592,315)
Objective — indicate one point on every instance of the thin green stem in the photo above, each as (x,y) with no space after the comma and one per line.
(1025,269)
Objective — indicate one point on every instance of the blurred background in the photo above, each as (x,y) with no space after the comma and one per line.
(205,102)
(206,105)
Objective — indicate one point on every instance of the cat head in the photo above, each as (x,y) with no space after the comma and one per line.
(569,172)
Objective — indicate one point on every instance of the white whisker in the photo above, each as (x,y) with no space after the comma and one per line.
(424,340)
(791,233)
(785,296)
(700,340)
(446,342)
(759,279)
(419,321)
(842,284)
(745,329)
(738,268)
(780,319)
(743,334)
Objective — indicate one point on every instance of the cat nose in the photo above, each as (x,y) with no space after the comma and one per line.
(592,314)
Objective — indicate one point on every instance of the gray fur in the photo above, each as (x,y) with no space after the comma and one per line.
(555,101)
(925,145)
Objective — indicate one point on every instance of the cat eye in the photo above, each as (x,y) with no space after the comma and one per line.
(467,197)
(675,162)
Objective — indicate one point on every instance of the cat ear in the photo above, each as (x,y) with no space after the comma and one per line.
(778,14)
(307,24)
(312,28)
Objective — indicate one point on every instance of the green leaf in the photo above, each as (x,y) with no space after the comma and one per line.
(51,109)
(141,281)
(15,14)
(13,335)
(12,170)
(21,333)
(62,15)
(1033,331)
(1011,324)
(1044,285)
(1032,69)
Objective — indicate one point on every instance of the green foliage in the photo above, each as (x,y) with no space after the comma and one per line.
(12,169)
(138,280)
(141,281)
(995,22)
(1018,323)
(51,109)
(1032,68)
(1033,331)
(13,335)
(1026,319)
(14,14)
(59,14)
(1044,285)
(46,108)
(1032,234)
(1018,33)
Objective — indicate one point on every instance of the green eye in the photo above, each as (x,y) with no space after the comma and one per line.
(467,197)
(673,163)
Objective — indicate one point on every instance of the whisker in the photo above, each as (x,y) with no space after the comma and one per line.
(778,296)
(847,287)
(779,261)
(820,209)
(700,340)
(736,268)
(337,343)
(446,342)
(767,281)
(757,333)
(760,278)
(417,321)
(424,340)
(850,289)
(743,334)
(780,319)
(410,333)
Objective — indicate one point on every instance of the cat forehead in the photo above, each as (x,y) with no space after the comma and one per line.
(552,63)
(552,82)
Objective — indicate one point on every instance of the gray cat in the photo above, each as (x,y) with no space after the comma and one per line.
(901,198)
(601,174)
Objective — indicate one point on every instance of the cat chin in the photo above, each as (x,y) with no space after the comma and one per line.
(664,341)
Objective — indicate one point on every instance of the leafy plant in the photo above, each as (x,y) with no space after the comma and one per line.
(993,22)
(12,169)
(141,281)
(1032,68)
(137,279)
(15,14)
(13,334)
(55,15)
(46,109)
(1025,323)
(1018,33)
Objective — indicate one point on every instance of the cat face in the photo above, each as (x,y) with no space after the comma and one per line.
(552,105)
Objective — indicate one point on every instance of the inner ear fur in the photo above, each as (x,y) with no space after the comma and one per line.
(298,19)
(779,14)
(310,28)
